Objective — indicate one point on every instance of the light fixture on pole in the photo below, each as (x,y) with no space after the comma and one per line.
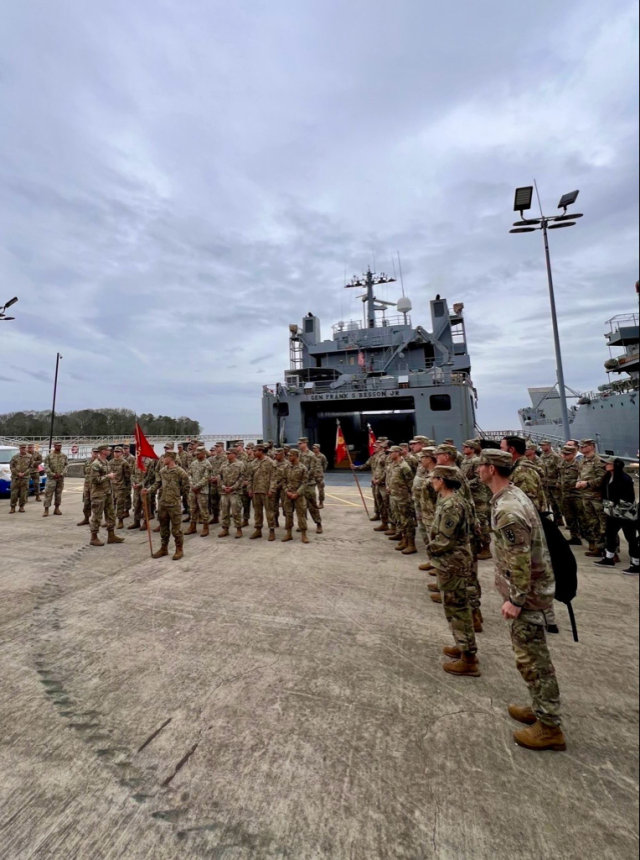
(522,203)
(3,317)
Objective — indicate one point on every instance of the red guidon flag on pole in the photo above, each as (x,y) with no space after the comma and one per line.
(341,446)
(143,449)
(372,441)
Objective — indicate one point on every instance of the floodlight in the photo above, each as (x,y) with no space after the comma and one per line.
(524,230)
(568,200)
(524,199)
(527,222)
(569,216)
(3,318)
(561,224)
(9,304)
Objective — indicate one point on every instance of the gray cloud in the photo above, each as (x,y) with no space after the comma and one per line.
(177,190)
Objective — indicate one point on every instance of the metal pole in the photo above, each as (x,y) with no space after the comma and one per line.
(556,337)
(371,312)
(53,409)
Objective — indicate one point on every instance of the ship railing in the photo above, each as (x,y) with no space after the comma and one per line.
(358,325)
(623,321)
(364,382)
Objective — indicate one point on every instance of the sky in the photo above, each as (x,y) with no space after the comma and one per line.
(181,181)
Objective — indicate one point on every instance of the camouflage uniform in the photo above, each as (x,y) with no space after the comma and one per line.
(416,491)
(149,484)
(428,503)
(199,476)
(245,498)
(36,462)
(216,462)
(314,474)
(481,495)
(279,500)
(524,577)
(572,501)
(121,486)
(86,489)
(593,471)
(379,476)
(55,464)
(450,551)
(294,480)
(231,476)
(20,464)
(526,477)
(399,482)
(474,588)
(261,478)
(174,484)
(552,465)
(370,466)
(101,492)
(321,484)
(138,481)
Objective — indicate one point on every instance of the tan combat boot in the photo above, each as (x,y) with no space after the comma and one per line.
(57,512)
(193,529)
(523,714)
(272,534)
(179,553)
(134,525)
(288,536)
(95,540)
(466,666)
(12,510)
(112,537)
(238,534)
(410,548)
(453,652)
(21,509)
(433,588)
(85,522)
(44,514)
(541,738)
(156,531)
(477,621)
(593,551)
(245,523)
(120,524)
(437,598)
(402,544)
(257,535)
(224,533)
(375,519)
(161,552)
(426,566)
(384,527)
(205,530)
(319,530)
(391,531)
(304,538)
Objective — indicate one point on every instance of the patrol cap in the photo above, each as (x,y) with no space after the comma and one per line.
(102,448)
(302,440)
(531,446)
(545,442)
(23,445)
(294,451)
(251,445)
(569,449)
(279,450)
(472,443)
(395,449)
(428,451)
(448,472)
(118,450)
(168,446)
(424,439)
(317,446)
(446,448)
(496,457)
(287,448)
(259,447)
(201,450)
(95,450)
(171,455)
(231,451)
(383,439)
(447,442)
(584,442)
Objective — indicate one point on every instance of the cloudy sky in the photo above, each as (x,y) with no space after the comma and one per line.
(180,181)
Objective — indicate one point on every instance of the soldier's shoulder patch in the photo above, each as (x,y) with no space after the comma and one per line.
(449,523)
(510,534)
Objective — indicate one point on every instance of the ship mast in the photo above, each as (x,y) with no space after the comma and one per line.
(371,280)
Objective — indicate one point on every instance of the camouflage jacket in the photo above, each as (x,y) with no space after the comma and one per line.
(323,461)
(480,493)
(313,466)
(523,565)
(277,477)
(122,471)
(150,474)
(428,502)
(379,471)
(138,477)
(216,462)
(449,544)
(552,465)
(418,481)
(184,460)
(594,472)
(295,478)
(370,464)
(56,464)
(413,462)
(199,474)
(99,482)
(261,475)
(20,465)
(525,476)
(173,483)
(400,480)
(232,475)
(569,477)
(36,461)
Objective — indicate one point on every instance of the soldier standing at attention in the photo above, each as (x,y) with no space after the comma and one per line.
(279,501)
(481,495)
(428,502)
(121,485)
(172,481)
(36,461)
(400,485)
(593,473)
(137,481)
(365,467)
(417,446)
(524,474)
(262,491)
(199,476)
(378,485)
(231,480)
(245,500)
(572,504)
(217,459)
(551,463)
(450,551)
(524,578)
(20,467)
(321,485)
(532,456)
(56,465)
(131,460)
(294,484)
(86,490)
(314,469)
(101,480)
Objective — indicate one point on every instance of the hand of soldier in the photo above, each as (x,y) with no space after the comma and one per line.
(250,494)
(270,494)
(111,476)
(581,485)
(510,612)
(145,492)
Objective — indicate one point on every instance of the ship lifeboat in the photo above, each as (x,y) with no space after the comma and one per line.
(611,364)
(584,401)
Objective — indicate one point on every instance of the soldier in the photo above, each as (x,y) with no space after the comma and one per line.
(366,467)
(149,481)
(593,473)
(428,501)
(138,483)
(294,483)
(199,477)
(101,480)
(217,459)
(131,460)
(480,493)
(231,481)
(572,503)
(321,484)
(86,490)
(459,458)
(172,481)
(531,454)
(524,474)
(36,462)
(245,500)
(279,501)
(450,551)
(20,467)
(420,474)
(56,465)
(524,578)
(399,481)
(261,479)
(551,463)
(378,484)
(121,485)
(314,475)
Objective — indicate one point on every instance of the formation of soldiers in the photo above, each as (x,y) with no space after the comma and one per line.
(25,470)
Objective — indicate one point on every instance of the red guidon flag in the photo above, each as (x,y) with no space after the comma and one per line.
(372,441)
(341,446)
(143,448)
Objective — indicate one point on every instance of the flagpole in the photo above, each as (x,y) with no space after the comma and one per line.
(145,504)
(353,472)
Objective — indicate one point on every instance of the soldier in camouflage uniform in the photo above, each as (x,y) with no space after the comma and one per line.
(525,580)
(428,501)
(280,463)
(481,495)
(293,481)
(525,476)
(231,482)
(572,503)
(217,459)
(420,474)
(131,460)
(314,475)
(245,499)
(399,482)
(20,468)
(86,490)
(172,480)
(262,492)
(121,485)
(138,483)
(149,482)
(551,463)
(199,475)
(370,465)
(101,480)
(321,484)
(593,473)
(449,547)
(36,462)
(56,465)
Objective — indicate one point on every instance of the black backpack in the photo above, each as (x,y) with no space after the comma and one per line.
(565,567)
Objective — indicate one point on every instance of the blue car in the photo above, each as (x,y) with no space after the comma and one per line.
(6,454)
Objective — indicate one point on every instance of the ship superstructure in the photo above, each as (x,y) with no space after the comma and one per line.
(381,372)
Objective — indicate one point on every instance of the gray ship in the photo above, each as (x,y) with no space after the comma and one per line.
(610,414)
(379,373)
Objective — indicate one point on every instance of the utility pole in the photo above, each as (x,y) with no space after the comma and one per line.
(55,394)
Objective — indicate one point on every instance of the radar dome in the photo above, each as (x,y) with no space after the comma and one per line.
(404,305)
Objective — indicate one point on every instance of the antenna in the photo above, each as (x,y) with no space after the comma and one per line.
(401,278)
(535,182)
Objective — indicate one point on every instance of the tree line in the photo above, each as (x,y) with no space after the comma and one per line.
(95,422)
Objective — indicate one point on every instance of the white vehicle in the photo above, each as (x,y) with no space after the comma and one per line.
(7,452)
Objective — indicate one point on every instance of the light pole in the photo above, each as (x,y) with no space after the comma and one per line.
(55,392)
(523,201)
(3,317)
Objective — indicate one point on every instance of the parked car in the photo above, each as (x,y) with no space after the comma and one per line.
(6,454)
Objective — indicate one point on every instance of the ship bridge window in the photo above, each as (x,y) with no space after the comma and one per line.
(440,402)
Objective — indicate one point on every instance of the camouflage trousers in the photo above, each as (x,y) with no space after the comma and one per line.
(534,664)
(102,504)
(54,489)
(86,501)
(454,587)
(594,521)
(312,504)
(35,477)
(122,499)
(231,506)
(573,511)
(483,513)
(263,507)
(383,502)
(417,506)
(199,507)
(321,492)
(404,517)
(138,507)
(19,491)
(170,520)
(279,505)
(298,505)
(214,502)
(474,589)
(554,496)
(246,504)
